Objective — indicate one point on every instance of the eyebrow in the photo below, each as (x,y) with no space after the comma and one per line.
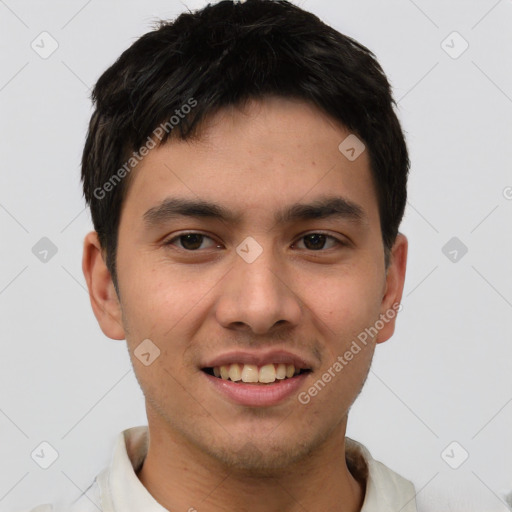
(323,208)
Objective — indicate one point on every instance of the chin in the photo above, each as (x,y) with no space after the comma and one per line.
(262,457)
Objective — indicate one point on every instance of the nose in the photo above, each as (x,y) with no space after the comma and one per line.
(258,296)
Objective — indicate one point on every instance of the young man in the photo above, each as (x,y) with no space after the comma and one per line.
(246,175)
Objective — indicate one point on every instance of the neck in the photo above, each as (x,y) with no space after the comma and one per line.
(181,477)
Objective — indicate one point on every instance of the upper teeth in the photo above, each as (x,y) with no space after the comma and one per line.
(251,373)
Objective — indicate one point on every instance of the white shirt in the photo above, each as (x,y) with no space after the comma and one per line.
(118,489)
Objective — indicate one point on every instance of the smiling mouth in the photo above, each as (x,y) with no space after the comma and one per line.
(252,374)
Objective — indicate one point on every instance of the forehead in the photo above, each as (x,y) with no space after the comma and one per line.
(255,159)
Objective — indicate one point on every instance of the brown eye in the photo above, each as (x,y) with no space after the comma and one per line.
(317,241)
(190,241)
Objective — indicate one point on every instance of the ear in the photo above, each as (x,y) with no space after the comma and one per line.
(394,287)
(102,293)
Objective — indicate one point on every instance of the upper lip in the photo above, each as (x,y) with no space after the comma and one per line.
(259,358)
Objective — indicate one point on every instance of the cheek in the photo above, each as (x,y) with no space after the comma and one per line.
(347,304)
(160,299)
(166,306)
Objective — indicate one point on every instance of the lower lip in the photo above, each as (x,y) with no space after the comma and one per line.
(257,395)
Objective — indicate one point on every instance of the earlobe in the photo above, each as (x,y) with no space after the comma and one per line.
(395,279)
(104,300)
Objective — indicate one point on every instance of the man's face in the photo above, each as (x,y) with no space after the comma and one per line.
(260,288)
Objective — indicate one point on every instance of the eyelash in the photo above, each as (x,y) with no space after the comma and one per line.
(338,242)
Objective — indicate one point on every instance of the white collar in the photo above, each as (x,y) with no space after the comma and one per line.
(122,491)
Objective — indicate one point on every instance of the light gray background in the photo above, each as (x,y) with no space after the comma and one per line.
(446,374)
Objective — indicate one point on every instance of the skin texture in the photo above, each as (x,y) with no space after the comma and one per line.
(205,451)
